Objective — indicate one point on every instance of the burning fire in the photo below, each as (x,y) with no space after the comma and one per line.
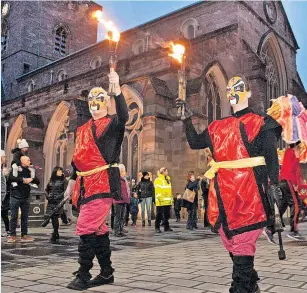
(178,52)
(113,33)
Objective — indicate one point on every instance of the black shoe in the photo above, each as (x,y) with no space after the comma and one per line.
(158,231)
(149,223)
(101,280)
(168,230)
(53,238)
(143,223)
(78,284)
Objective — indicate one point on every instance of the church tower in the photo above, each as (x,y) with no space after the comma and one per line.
(35,33)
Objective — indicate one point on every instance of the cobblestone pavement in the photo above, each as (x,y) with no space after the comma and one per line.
(181,262)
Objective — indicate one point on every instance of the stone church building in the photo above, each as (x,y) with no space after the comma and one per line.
(51,59)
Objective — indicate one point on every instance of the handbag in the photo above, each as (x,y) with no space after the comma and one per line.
(189,195)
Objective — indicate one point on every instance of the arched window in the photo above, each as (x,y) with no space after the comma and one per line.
(96,62)
(275,71)
(124,159)
(4,35)
(61,148)
(62,75)
(191,32)
(61,38)
(31,86)
(271,74)
(131,147)
(138,47)
(188,28)
(213,99)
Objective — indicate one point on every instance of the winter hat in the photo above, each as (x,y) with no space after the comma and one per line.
(3,153)
(145,173)
(22,143)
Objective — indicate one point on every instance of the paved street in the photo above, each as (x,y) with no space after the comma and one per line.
(182,261)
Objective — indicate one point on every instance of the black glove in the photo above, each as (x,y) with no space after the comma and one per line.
(187,112)
(275,196)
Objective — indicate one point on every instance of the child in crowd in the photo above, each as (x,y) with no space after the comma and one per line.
(177,206)
(134,208)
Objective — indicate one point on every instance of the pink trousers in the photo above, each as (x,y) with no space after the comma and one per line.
(92,217)
(242,244)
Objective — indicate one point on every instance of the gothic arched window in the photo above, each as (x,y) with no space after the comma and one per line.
(213,99)
(61,38)
(271,74)
(4,35)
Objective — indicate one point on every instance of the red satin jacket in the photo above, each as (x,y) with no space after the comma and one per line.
(290,169)
(98,143)
(237,198)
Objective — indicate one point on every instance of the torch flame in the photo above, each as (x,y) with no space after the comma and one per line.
(114,35)
(178,52)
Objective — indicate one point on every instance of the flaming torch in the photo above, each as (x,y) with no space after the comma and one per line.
(179,55)
(113,36)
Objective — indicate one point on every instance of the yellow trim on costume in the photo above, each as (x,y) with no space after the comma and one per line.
(241,163)
(96,170)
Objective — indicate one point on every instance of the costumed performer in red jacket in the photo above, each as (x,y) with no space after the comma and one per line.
(95,182)
(244,154)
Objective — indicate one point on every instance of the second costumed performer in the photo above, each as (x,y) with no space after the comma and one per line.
(243,148)
(95,182)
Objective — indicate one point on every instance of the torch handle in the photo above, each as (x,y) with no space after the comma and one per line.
(279,229)
(112,62)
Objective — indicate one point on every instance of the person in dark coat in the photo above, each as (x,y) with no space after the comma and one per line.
(193,185)
(5,195)
(145,191)
(55,193)
(20,198)
(205,192)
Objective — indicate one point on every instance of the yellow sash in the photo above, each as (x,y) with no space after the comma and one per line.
(96,170)
(241,163)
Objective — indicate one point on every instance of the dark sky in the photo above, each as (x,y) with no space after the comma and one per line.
(128,14)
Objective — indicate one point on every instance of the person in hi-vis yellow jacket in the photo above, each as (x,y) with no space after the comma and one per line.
(163,199)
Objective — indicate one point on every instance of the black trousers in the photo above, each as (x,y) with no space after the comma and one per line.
(134,218)
(291,200)
(24,205)
(5,218)
(55,224)
(90,246)
(163,213)
(119,217)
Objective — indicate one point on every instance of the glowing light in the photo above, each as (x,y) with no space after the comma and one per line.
(178,52)
(113,33)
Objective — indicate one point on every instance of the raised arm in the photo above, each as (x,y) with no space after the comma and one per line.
(195,140)
(120,103)
(121,109)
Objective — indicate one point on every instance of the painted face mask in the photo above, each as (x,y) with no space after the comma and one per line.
(97,99)
(236,90)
